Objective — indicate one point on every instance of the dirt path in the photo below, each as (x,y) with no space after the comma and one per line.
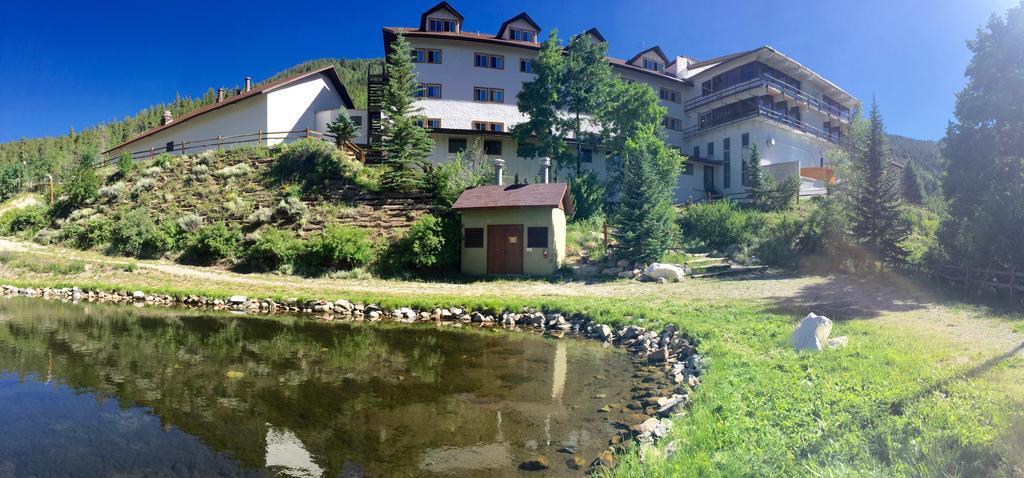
(890,300)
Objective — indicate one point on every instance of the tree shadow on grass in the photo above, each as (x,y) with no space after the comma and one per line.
(857,296)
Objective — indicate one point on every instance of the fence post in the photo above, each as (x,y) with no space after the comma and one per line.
(307,133)
(967,284)
(259,136)
(606,237)
(1013,285)
(150,152)
(218,142)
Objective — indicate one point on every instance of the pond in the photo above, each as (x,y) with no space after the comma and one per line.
(101,390)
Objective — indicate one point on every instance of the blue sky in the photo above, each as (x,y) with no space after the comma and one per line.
(69,64)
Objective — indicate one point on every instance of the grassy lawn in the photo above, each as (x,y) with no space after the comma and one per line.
(924,388)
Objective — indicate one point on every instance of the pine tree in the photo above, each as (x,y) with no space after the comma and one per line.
(645,221)
(406,143)
(913,193)
(343,128)
(756,180)
(879,223)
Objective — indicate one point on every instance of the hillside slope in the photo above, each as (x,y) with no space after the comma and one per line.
(924,155)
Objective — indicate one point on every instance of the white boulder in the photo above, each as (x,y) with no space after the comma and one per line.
(812,333)
(838,342)
(669,272)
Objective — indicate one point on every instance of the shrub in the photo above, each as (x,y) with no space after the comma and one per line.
(237,170)
(24,222)
(163,160)
(125,164)
(112,191)
(312,163)
(337,248)
(290,209)
(718,225)
(198,172)
(263,215)
(586,238)
(210,244)
(88,233)
(587,196)
(152,171)
(270,249)
(190,222)
(778,242)
(137,235)
(10,180)
(144,184)
(46,236)
(423,246)
(81,186)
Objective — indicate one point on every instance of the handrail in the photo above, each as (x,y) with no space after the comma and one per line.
(776,116)
(767,80)
(260,137)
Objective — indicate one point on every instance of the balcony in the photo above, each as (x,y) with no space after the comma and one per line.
(762,112)
(774,85)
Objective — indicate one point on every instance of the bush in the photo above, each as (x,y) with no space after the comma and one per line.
(10,180)
(718,225)
(586,238)
(125,164)
(144,184)
(112,191)
(190,222)
(88,233)
(290,210)
(312,163)
(152,171)
(778,242)
(270,250)
(80,187)
(237,170)
(337,248)
(163,160)
(210,244)
(587,196)
(424,246)
(24,222)
(137,235)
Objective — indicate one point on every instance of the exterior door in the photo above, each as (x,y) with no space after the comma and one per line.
(505,249)
(709,178)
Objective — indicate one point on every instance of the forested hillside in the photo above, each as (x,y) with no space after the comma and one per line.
(31,159)
(923,155)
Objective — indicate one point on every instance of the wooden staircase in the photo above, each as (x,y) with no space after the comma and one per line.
(702,266)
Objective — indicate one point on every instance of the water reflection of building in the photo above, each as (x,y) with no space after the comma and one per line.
(287,455)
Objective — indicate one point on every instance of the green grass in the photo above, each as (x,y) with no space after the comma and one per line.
(42,265)
(889,404)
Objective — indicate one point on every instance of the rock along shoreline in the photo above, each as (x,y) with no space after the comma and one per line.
(668,365)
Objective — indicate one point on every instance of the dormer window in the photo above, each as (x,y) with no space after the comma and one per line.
(442,25)
(518,34)
(654,65)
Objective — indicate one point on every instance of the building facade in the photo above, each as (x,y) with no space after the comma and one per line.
(718,110)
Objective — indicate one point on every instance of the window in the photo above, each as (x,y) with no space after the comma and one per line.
(428,90)
(727,159)
(745,140)
(525,65)
(711,150)
(489,95)
(487,126)
(537,237)
(357,120)
(456,145)
(522,35)
(170,146)
(487,60)
(586,155)
(492,147)
(426,55)
(696,151)
(442,25)
(743,173)
(432,123)
(473,237)
(672,123)
(670,95)
(653,65)
(688,168)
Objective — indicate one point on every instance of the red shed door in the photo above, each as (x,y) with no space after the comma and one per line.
(505,249)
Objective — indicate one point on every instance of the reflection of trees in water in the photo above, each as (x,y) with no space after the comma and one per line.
(349,393)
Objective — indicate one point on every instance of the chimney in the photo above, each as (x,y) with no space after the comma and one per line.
(166,118)
(499,165)
(220,95)
(248,84)
(545,169)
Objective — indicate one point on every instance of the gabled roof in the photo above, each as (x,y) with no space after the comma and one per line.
(440,6)
(522,16)
(721,59)
(656,49)
(517,195)
(327,71)
(594,32)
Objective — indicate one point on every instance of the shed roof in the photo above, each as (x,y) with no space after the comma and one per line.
(517,195)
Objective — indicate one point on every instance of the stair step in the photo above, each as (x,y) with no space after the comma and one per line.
(732,270)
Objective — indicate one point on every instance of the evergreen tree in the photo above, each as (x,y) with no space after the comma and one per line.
(756,180)
(406,143)
(984,150)
(343,128)
(645,221)
(913,192)
(878,219)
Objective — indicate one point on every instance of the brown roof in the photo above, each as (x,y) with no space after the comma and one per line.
(517,195)
(391,32)
(329,71)
(440,6)
(657,51)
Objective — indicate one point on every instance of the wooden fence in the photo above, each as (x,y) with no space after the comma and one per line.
(260,137)
(1009,282)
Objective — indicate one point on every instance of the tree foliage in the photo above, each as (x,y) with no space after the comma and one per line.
(645,219)
(913,191)
(406,143)
(878,220)
(80,187)
(985,151)
(343,128)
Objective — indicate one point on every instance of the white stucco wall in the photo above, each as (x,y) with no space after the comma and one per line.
(324,117)
(294,108)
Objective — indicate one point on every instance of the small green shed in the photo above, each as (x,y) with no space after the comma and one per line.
(514,230)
